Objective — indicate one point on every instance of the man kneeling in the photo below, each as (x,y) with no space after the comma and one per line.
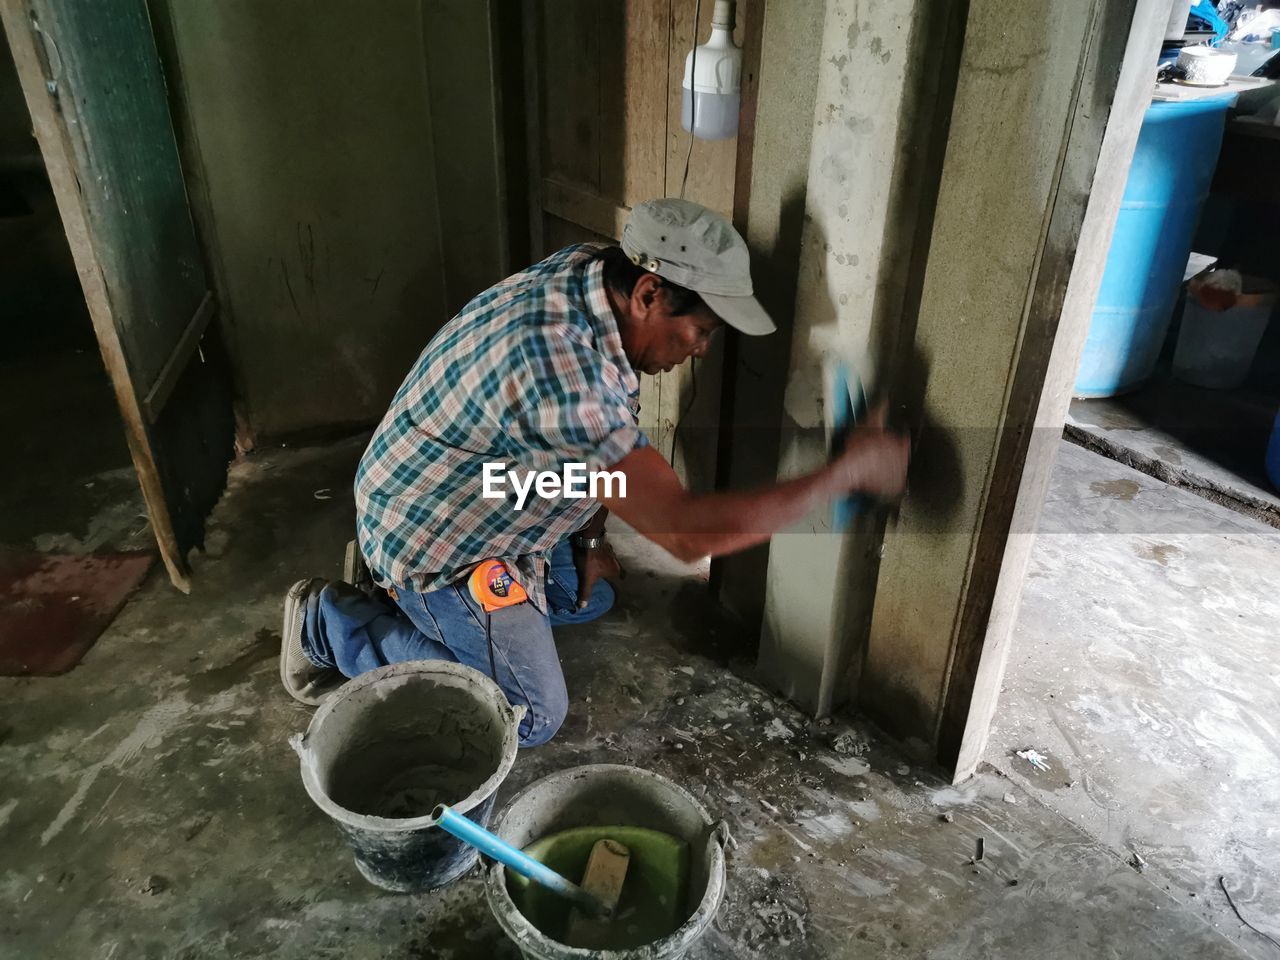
(527,398)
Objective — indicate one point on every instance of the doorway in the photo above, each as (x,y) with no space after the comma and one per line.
(98,109)
(70,487)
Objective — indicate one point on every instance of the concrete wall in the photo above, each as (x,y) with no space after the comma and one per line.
(867,189)
(458,36)
(307,131)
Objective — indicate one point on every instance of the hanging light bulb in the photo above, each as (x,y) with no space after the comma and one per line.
(712,81)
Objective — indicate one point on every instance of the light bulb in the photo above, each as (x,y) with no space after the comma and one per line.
(712,81)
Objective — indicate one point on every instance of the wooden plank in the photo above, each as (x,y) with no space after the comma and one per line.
(692,398)
(598,214)
(1103,136)
(60,161)
(153,403)
(604,878)
(641,170)
(560,233)
(752,17)
(650,405)
(569,57)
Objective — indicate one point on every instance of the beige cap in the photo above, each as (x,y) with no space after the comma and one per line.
(692,246)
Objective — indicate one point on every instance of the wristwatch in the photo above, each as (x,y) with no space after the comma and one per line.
(586,543)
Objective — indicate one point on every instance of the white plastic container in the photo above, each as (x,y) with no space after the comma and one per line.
(1220,332)
(1204,66)
(710,95)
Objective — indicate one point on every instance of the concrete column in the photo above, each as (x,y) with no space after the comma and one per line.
(876,95)
(1036,91)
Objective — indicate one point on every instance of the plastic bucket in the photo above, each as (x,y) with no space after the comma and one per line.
(384,749)
(1216,346)
(1168,182)
(612,795)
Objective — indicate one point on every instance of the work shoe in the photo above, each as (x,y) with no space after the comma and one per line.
(355,571)
(304,681)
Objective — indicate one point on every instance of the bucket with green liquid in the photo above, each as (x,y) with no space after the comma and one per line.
(674,883)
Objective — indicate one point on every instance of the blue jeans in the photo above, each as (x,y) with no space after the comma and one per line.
(346,630)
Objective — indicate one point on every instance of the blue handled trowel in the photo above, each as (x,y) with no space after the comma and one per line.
(846,405)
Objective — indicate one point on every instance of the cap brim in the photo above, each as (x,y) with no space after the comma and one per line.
(744,314)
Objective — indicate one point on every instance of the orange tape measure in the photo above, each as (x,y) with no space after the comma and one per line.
(493,587)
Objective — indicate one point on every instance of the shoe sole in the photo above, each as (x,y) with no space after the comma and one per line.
(293,608)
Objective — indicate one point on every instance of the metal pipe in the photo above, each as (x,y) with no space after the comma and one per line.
(492,845)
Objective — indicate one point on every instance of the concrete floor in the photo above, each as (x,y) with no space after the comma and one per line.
(1145,666)
(1211,442)
(151,807)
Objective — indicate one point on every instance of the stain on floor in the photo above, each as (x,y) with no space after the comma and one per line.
(1115,489)
(1161,553)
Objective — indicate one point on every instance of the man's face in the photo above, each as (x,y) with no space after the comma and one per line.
(655,339)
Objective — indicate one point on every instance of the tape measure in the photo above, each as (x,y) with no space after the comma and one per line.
(493,587)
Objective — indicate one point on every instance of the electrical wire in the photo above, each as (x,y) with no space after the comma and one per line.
(1222,882)
(693,95)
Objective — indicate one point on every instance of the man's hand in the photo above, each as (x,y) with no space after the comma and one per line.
(693,526)
(874,459)
(598,563)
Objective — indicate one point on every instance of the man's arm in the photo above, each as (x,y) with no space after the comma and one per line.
(692,526)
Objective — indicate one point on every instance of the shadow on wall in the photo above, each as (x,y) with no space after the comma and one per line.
(752,409)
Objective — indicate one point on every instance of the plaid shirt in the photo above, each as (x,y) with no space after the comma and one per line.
(530,374)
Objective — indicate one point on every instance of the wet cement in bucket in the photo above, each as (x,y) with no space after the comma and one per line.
(653,902)
(391,767)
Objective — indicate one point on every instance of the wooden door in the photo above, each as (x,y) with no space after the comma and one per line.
(93,83)
(603,107)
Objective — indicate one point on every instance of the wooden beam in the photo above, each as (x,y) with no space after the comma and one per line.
(579,206)
(153,403)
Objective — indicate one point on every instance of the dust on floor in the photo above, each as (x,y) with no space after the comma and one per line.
(151,806)
(1145,667)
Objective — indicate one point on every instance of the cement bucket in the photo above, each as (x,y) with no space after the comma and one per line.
(383,750)
(611,795)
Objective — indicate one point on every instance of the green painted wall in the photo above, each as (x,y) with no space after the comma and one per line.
(311,153)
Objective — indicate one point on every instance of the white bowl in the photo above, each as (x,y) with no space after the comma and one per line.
(1205,66)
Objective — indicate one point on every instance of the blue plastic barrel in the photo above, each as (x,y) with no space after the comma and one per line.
(1273,455)
(1168,183)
